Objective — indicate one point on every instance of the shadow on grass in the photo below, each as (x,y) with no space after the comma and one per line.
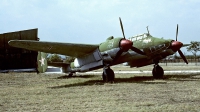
(136,79)
(76,76)
(179,77)
(87,83)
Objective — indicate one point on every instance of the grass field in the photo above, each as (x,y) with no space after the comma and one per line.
(130,92)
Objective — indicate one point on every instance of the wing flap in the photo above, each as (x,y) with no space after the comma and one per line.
(69,49)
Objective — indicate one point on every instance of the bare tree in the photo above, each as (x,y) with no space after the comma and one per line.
(194,48)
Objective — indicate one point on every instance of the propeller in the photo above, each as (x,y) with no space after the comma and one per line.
(176,45)
(176,32)
(182,56)
(125,44)
(122,27)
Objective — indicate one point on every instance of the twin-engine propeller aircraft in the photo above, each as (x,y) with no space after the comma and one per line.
(146,50)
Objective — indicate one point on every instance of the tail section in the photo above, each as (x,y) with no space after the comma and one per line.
(41,62)
(65,66)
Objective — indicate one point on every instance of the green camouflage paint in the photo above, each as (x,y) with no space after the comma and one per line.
(110,43)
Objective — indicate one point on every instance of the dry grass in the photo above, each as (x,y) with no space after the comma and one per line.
(130,92)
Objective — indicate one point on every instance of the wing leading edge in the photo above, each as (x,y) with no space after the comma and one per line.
(69,49)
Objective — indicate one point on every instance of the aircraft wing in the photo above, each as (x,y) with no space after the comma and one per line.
(69,49)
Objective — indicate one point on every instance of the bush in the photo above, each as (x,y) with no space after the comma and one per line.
(54,58)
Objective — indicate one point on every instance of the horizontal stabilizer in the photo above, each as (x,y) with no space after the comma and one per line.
(58,64)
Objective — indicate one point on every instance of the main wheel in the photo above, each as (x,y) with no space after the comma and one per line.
(157,72)
(108,75)
(104,77)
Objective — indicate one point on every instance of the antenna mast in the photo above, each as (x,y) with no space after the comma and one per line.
(148,30)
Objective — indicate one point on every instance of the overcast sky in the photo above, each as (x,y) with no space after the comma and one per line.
(92,21)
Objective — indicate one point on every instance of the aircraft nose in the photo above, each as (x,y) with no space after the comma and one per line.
(176,45)
(126,44)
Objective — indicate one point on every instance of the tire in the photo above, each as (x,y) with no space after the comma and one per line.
(108,75)
(157,72)
(104,77)
(111,75)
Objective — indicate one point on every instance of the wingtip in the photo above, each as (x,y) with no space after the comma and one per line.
(10,42)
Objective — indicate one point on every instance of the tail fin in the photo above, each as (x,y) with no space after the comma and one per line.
(41,62)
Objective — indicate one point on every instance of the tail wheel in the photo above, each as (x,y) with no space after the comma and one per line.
(70,75)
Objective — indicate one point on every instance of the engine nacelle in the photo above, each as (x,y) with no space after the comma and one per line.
(109,55)
(87,62)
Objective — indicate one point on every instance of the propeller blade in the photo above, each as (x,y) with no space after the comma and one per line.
(132,48)
(137,50)
(182,56)
(122,27)
(177,32)
(118,54)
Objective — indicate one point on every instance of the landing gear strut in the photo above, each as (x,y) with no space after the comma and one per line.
(157,71)
(108,74)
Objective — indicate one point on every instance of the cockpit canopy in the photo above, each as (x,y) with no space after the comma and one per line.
(140,37)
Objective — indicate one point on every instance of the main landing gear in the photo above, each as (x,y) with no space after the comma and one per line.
(157,71)
(108,75)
